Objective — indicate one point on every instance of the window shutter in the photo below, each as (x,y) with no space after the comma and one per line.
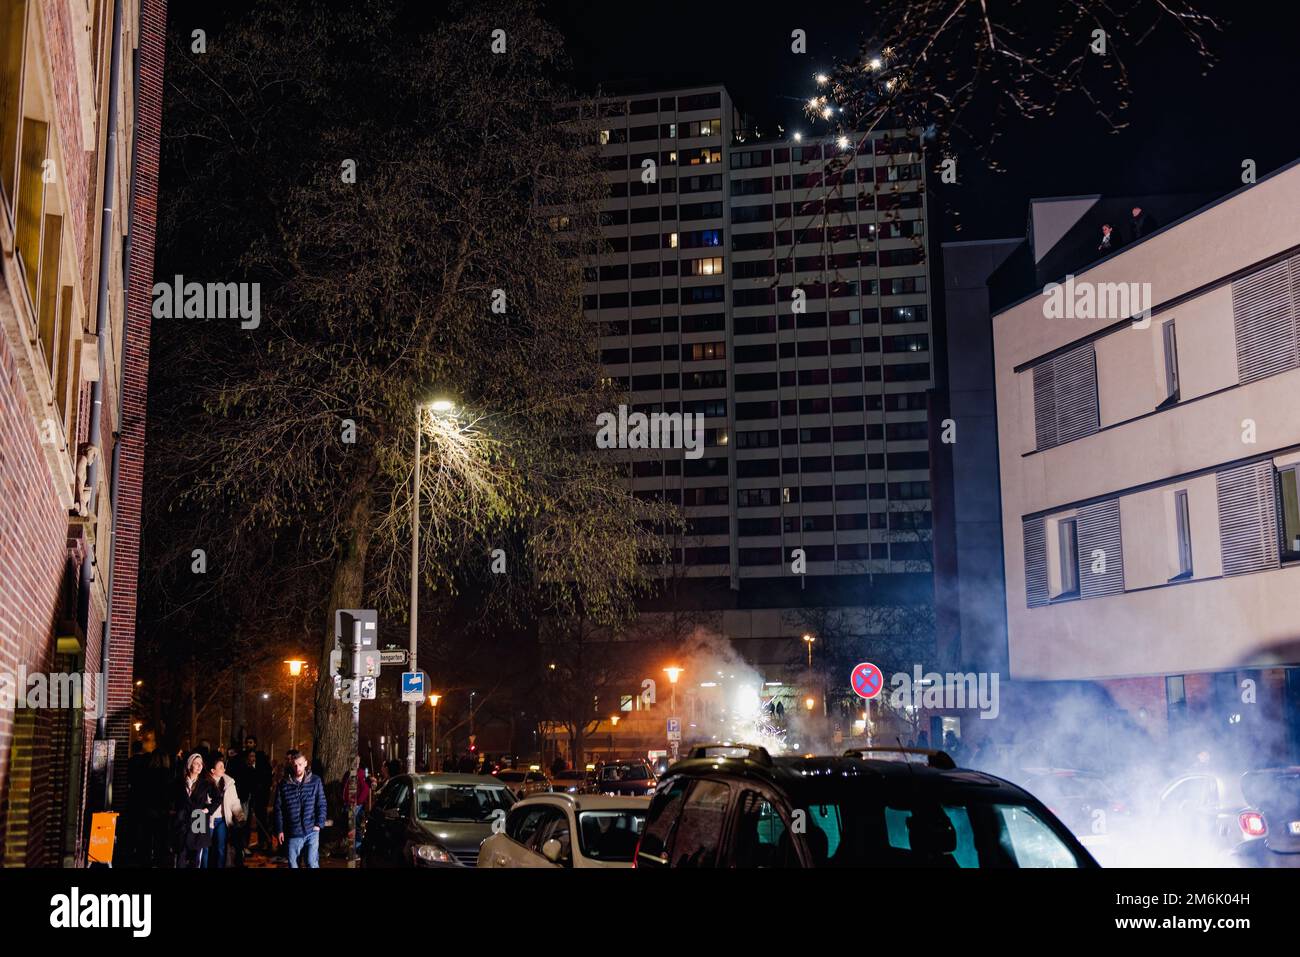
(1045,405)
(1065,397)
(1248,518)
(1076,394)
(1036,592)
(1099,530)
(1264,310)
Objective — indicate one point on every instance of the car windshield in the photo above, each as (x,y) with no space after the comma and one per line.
(460,802)
(951,831)
(625,772)
(610,835)
(510,775)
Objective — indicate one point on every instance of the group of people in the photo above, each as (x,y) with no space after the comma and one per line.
(206,808)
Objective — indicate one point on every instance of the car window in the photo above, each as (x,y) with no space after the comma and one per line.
(393,793)
(460,802)
(1192,795)
(661,821)
(1030,842)
(610,835)
(522,823)
(935,842)
(762,836)
(699,833)
(554,826)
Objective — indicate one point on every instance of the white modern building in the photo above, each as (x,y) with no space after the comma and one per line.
(1149,462)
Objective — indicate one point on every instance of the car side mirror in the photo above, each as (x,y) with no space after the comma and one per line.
(551,850)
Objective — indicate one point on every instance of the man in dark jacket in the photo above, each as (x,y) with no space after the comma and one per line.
(300,812)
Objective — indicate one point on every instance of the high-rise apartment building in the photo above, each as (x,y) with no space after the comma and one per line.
(781,289)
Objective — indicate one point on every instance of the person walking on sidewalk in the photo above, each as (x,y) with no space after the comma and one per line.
(300,812)
(227,813)
(192,801)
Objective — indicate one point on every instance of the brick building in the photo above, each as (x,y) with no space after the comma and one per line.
(80,108)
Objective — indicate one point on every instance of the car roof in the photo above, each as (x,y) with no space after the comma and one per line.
(589,802)
(798,773)
(442,777)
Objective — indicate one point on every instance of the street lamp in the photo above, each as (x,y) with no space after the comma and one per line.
(442,407)
(295,669)
(613,720)
(673,673)
(808,640)
(433,747)
(810,702)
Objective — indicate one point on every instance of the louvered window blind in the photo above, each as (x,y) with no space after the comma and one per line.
(1065,397)
(1264,308)
(1248,533)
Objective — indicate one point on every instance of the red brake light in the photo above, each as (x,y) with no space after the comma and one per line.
(1252,824)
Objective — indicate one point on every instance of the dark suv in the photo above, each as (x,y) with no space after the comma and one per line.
(737,806)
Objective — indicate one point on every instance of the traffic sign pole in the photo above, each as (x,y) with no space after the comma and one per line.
(412,708)
(352,785)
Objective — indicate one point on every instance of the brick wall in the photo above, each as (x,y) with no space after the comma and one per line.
(148,105)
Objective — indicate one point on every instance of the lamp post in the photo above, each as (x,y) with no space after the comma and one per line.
(808,640)
(433,747)
(673,673)
(295,669)
(441,407)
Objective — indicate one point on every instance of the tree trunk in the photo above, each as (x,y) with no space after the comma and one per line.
(238,724)
(333,721)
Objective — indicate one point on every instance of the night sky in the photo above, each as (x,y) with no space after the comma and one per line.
(1187,133)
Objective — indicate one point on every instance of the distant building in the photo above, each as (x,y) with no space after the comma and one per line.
(78,185)
(782,290)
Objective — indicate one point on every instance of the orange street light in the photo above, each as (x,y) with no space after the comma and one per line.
(295,669)
(809,702)
(613,720)
(673,673)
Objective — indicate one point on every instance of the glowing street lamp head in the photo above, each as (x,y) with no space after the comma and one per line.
(809,703)
(442,406)
(798,137)
(295,666)
(809,638)
(434,699)
(613,719)
(673,674)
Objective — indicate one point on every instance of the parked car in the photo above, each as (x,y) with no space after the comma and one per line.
(568,830)
(1253,818)
(630,778)
(1084,801)
(433,820)
(573,782)
(525,782)
(737,806)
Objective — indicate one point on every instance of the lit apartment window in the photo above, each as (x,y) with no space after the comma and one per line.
(1182,516)
(603,138)
(672,240)
(1067,531)
(1289,487)
(1171,363)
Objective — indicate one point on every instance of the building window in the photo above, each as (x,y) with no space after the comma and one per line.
(1171,364)
(1065,397)
(1289,495)
(1182,515)
(1067,531)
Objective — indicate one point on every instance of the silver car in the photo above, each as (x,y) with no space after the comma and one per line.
(568,830)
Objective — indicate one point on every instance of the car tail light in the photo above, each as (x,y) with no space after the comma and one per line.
(1118,807)
(1252,824)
